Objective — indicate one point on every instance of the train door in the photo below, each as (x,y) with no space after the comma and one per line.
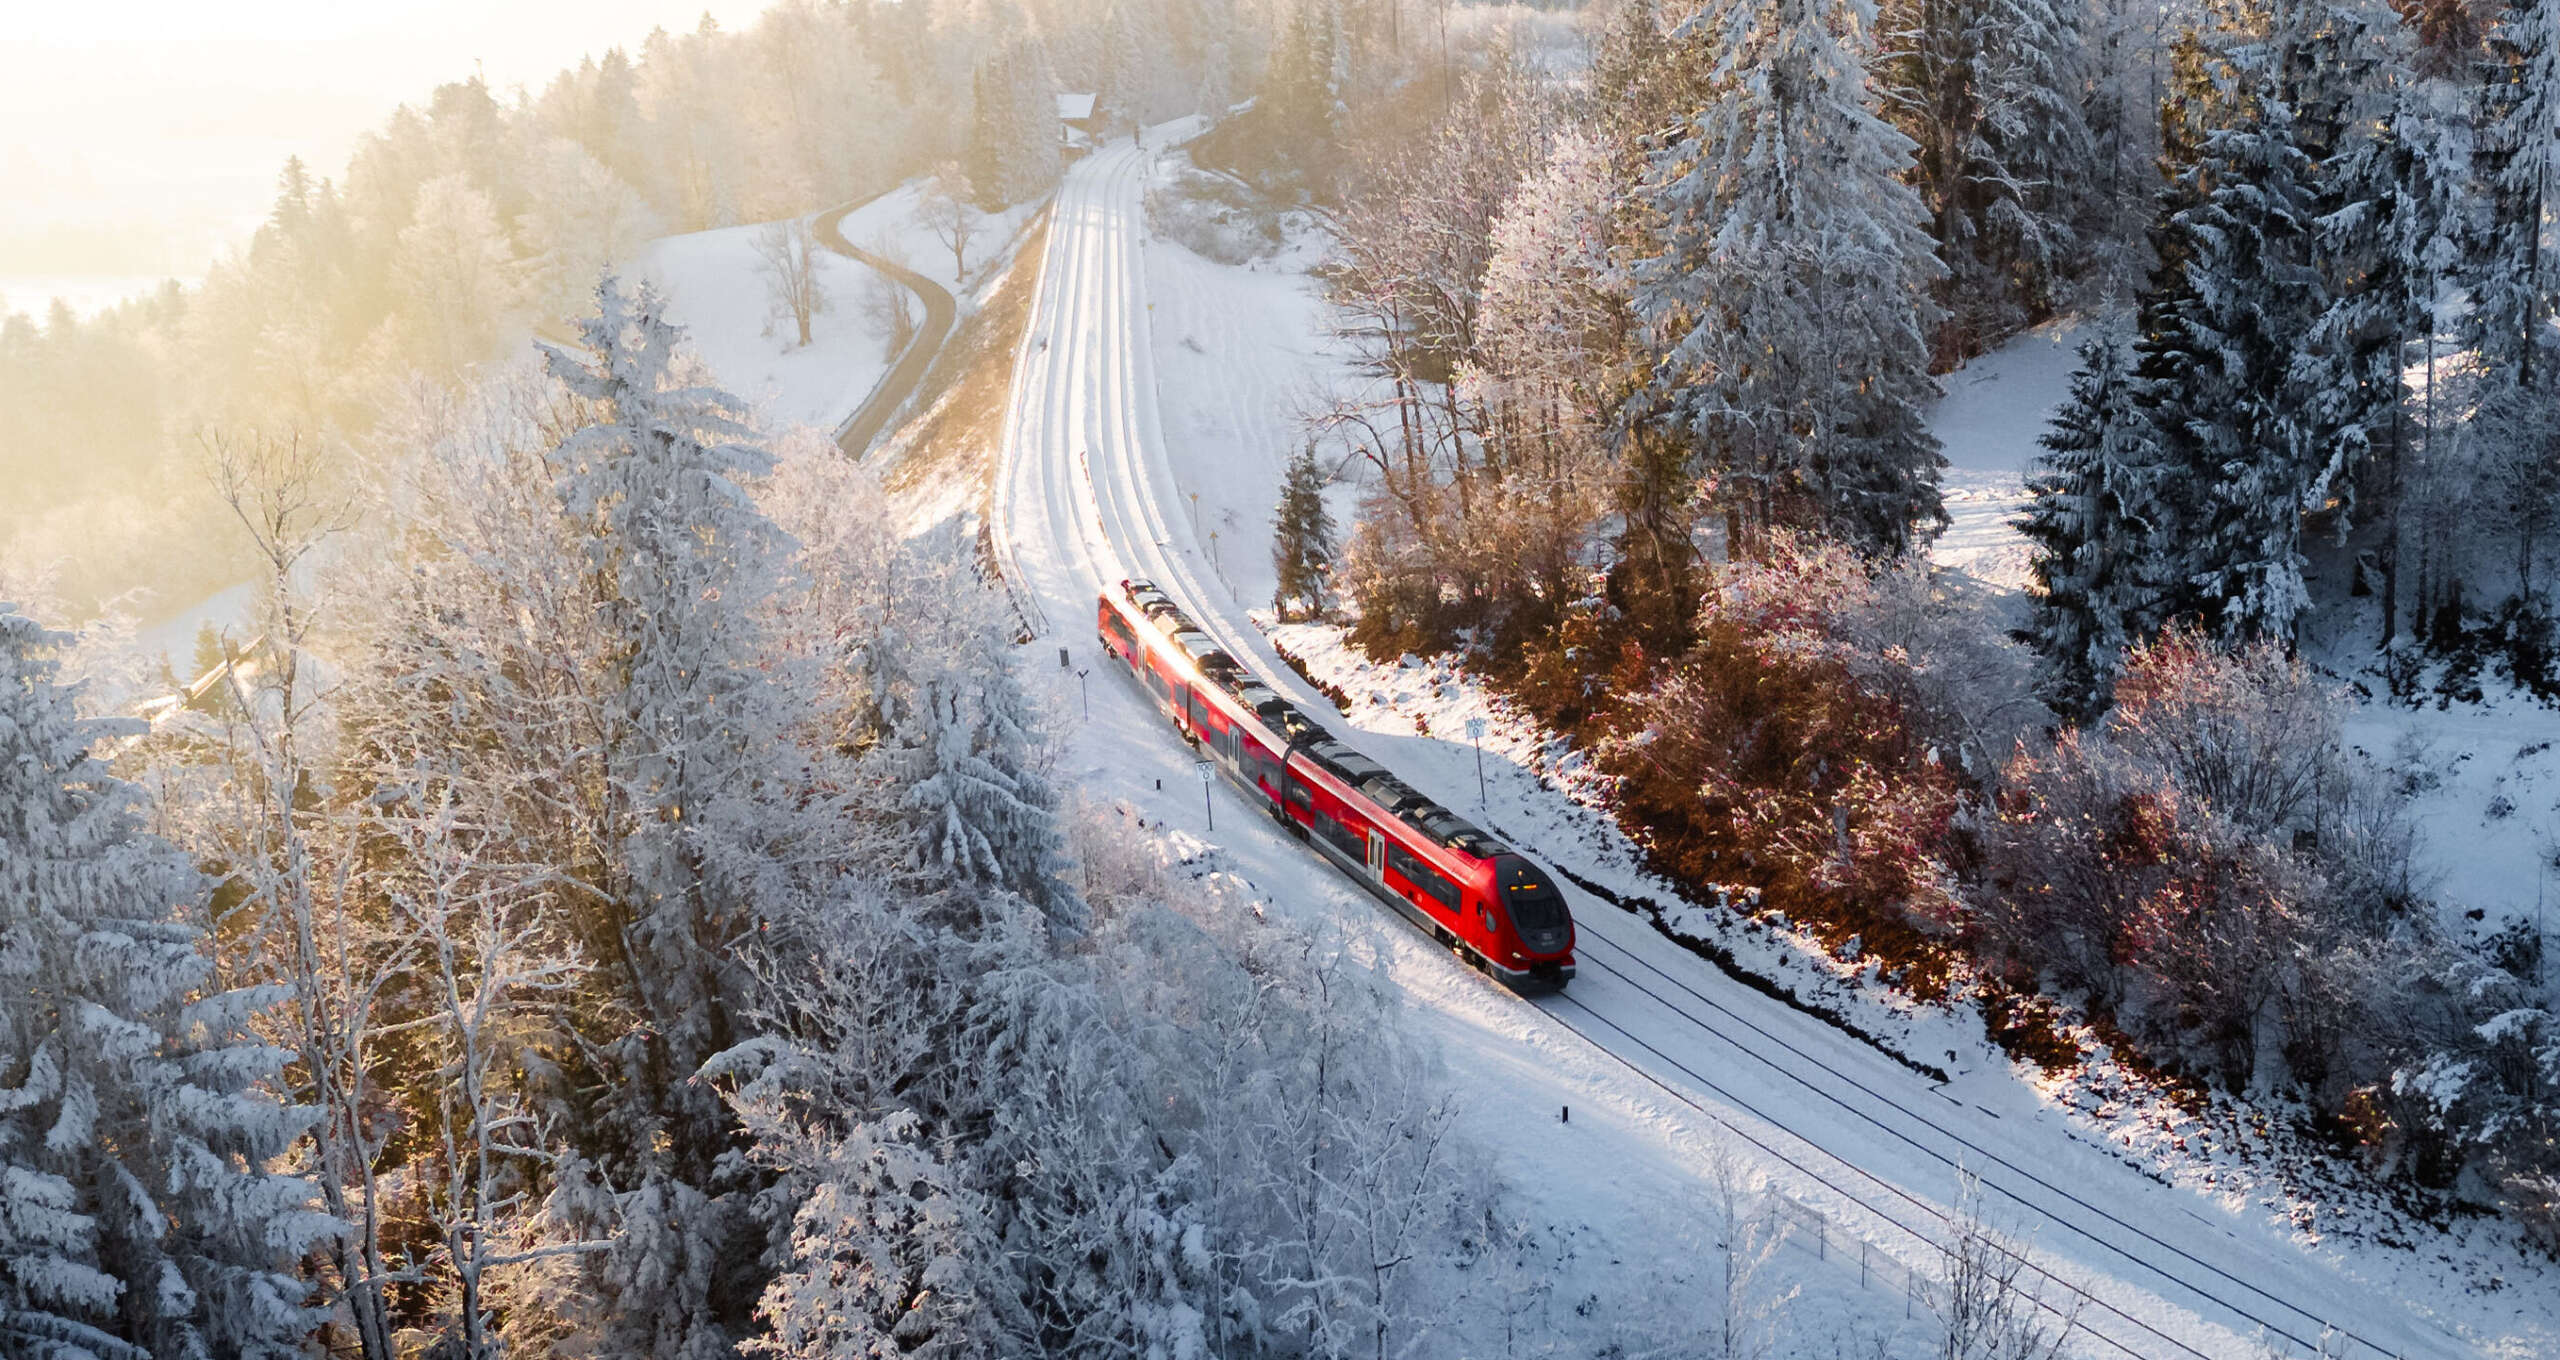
(1377,854)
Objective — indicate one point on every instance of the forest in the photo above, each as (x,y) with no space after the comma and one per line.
(622,904)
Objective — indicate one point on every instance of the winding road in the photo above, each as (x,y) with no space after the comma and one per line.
(1080,499)
(890,394)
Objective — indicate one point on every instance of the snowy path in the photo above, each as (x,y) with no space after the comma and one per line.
(899,383)
(1656,1051)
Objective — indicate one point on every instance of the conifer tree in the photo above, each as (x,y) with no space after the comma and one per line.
(2515,283)
(2376,251)
(1124,89)
(2242,451)
(2092,524)
(678,561)
(1788,310)
(1990,90)
(1302,548)
(1300,88)
(2514,274)
(139,1216)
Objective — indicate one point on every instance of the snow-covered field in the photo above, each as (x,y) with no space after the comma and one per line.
(715,289)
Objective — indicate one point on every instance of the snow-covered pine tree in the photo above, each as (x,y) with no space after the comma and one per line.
(1298,86)
(1124,86)
(982,152)
(961,735)
(2515,282)
(1011,151)
(1302,542)
(2091,521)
(140,1218)
(2242,454)
(2372,252)
(1788,311)
(2515,270)
(2430,157)
(1991,92)
(679,560)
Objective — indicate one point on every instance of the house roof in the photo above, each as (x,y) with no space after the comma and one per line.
(1075,108)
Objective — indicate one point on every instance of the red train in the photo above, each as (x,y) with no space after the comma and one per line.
(1470,891)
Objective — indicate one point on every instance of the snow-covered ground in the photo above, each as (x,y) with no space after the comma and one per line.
(715,289)
(1151,376)
(1994,410)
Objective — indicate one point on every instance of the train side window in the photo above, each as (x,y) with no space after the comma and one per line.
(1342,838)
(1442,890)
(1426,880)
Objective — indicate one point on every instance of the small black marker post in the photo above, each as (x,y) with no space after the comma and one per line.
(1567,1116)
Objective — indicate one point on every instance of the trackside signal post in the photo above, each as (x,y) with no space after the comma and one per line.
(1207,772)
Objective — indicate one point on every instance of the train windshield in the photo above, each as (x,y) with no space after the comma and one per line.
(1536,907)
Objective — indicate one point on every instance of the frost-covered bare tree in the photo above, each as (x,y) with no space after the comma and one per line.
(944,209)
(1992,1304)
(888,307)
(1721,1298)
(787,256)
(252,792)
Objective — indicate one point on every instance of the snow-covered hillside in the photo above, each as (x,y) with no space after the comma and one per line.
(715,289)
(2483,778)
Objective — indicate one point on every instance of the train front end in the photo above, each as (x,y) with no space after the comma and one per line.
(1536,944)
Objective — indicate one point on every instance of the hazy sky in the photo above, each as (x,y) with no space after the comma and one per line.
(139,136)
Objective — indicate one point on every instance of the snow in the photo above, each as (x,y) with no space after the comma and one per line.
(715,289)
(1987,424)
